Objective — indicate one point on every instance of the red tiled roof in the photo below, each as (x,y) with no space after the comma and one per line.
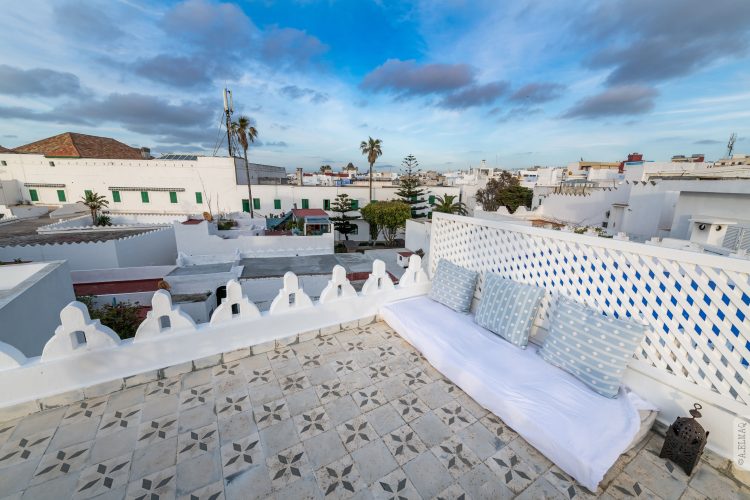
(309,212)
(6,150)
(406,254)
(192,222)
(73,145)
(112,287)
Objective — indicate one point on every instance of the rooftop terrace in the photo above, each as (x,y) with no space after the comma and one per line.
(353,413)
(318,399)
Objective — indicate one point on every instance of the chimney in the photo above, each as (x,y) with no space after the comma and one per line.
(299,176)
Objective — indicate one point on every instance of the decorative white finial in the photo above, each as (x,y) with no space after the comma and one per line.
(414,274)
(290,297)
(163,317)
(235,305)
(10,357)
(379,279)
(78,333)
(338,286)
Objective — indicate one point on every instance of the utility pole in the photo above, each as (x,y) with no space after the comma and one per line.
(228,110)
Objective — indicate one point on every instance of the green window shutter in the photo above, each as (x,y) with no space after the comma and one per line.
(326,204)
(432,199)
(256,203)
(87,192)
(34,195)
(172,197)
(245,205)
(144,196)
(116,196)
(199,198)
(61,195)
(305,203)
(277,204)
(355,204)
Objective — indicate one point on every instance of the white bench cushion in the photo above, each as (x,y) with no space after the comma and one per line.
(581,431)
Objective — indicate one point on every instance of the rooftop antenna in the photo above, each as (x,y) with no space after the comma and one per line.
(730,144)
(228,110)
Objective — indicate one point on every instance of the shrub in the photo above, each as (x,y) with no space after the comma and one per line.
(103,220)
(124,318)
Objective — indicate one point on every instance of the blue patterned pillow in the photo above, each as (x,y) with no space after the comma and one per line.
(508,308)
(453,286)
(594,348)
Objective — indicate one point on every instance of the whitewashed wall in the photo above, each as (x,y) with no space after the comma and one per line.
(583,210)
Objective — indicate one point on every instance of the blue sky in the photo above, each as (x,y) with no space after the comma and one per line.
(516,83)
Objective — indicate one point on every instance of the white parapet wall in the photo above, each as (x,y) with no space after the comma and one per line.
(83,357)
(697,307)
(197,239)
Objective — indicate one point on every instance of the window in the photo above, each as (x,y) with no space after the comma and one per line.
(245,205)
(355,204)
(172,197)
(87,192)
(355,229)
(305,203)
(326,204)
(432,199)
(4,163)
(199,197)
(34,195)
(144,196)
(256,203)
(60,195)
(52,164)
(116,196)
(277,204)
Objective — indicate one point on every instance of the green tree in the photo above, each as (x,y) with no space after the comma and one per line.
(447,204)
(351,167)
(94,202)
(245,133)
(342,222)
(372,148)
(325,168)
(504,191)
(388,217)
(409,190)
(123,317)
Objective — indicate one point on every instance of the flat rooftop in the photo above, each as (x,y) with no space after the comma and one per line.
(24,232)
(223,267)
(308,265)
(358,413)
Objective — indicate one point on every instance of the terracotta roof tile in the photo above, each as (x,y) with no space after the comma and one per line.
(75,145)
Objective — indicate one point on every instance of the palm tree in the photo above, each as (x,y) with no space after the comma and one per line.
(371,148)
(94,202)
(245,134)
(446,204)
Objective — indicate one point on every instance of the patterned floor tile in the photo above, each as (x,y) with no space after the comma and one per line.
(213,491)
(404,444)
(228,405)
(84,410)
(415,378)
(196,396)
(368,398)
(566,485)
(58,463)
(294,383)
(331,390)
(162,388)
(344,366)
(270,413)
(162,484)
(312,422)
(394,486)
(240,455)
(104,477)
(339,479)
(193,443)
(31,447)
(516,473)
(119,420)
(157,430)
(625,486)
(356,433)
(260,376)
(310,361)
(227,369)
(498,428)
(455,416)
(378,372)
(287,466)
(452,492)
(409,406)
(455,456)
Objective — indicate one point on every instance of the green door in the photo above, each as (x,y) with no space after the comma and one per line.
(245,205)
(326,204)
(355,204)
(60,195)
(305,203)
(172,197)
(256,203)
(116,196)
(277,204)
(144,196)
(34,195)
(199,198)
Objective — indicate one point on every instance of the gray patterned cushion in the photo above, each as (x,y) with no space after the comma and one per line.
(594,348)
(508,308)
(453,286)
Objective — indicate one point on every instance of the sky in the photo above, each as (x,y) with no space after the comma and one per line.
(454,82)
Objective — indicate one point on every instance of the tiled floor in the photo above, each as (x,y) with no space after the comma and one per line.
(356,414)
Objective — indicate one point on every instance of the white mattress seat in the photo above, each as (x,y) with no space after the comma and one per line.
(579,430)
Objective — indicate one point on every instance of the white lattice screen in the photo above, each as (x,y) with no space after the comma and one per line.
(698,306)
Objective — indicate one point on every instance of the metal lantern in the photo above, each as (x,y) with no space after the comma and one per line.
(685,441)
